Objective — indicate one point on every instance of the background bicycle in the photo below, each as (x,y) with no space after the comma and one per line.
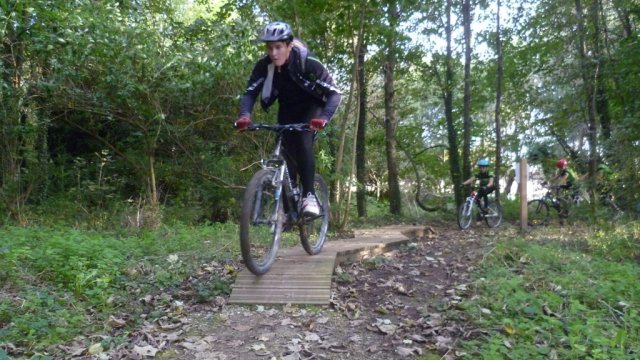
(538,209)
(263,216)
(492,214)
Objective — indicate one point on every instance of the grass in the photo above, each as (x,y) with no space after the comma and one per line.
(550,296)
(554,294)
(58,283)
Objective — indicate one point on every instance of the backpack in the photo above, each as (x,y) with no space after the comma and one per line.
(304,52)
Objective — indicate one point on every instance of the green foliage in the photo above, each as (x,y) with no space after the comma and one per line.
(553,299)
(207,290)
(56,276)
(116,99)
(510,209)
(616,243)
(132,81)
(344,278)
(103,102)
(375,262)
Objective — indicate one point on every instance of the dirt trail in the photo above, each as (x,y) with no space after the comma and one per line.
(390,306)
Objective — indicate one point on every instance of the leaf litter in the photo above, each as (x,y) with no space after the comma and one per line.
(391,308)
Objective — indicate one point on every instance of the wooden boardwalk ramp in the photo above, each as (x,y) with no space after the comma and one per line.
(298,278)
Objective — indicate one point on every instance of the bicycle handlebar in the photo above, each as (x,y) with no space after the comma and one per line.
(279,128)
(551,187)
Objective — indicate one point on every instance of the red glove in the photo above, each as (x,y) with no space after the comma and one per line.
(317,124)
(242,123)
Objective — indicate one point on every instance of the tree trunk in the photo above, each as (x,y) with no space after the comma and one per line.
(15,188)
(337,192)
(601,101)
(589,95)
(343,131)
(623,15)
(466,132)
(390,120)
(454,157)
(499,74)
(361,175)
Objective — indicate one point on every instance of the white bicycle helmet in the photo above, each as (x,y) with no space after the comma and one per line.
(277,31)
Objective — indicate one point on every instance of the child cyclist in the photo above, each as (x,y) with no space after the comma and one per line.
(485,183)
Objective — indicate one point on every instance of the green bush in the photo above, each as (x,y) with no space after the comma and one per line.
(545,299)
(617,243)
(55,276)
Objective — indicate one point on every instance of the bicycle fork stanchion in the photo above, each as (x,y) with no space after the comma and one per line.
(277,184)
(255,215)
(465,212)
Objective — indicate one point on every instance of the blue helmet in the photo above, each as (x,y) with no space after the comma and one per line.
(483,162)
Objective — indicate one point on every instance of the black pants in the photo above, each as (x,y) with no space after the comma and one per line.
(483,191)
(301,162)
(298,147)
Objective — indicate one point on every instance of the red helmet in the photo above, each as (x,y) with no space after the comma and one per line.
(561,164)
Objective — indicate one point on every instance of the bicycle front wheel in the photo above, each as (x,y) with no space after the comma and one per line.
(260,223)
(465,215)
(538,212)
(493,217)
(313,231)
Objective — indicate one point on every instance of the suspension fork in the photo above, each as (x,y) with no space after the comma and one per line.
(469,202)
(282,168)
(278,185)
(284,178)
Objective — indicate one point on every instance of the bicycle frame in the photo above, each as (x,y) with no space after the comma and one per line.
(492,213)
(539,208)
(277,163)
(471,199)
(262,222)
(554,199)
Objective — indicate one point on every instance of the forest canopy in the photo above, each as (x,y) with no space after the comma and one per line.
(108,108)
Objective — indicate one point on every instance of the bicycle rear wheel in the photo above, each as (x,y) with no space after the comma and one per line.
(260,223)
(493,217)
(464,215)
(313,231)
(538,212)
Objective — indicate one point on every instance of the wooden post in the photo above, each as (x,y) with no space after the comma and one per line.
(523,194)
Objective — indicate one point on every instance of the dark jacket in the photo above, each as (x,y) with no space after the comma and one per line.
(318,88)
(483,178)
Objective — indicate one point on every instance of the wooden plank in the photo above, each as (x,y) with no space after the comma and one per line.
(302,268)
(246,276)
(299,278)
(284,283)
(281,296)
(283,268)
(281,292)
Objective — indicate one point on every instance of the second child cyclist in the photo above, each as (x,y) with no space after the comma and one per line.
(485,180)
(306,93)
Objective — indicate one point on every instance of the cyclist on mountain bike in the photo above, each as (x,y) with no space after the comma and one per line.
(306,93)
(565,180)
(565,177)
(485,180)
